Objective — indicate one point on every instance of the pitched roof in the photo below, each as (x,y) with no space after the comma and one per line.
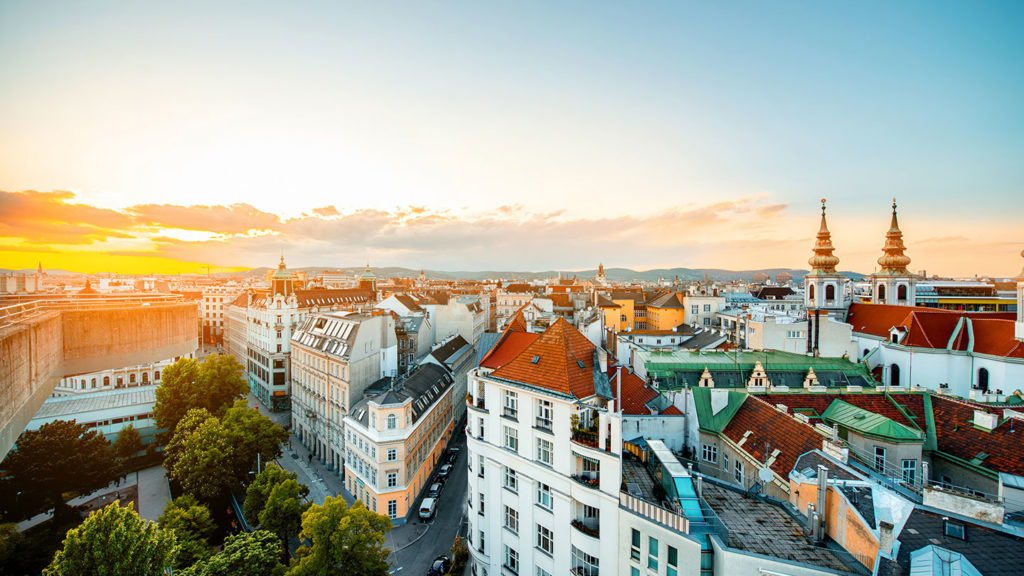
(448,349)
(771,430)
(511,342)
(930,327)
(956,435)
(635,393)
(408,302)
(666,300)
(869,423)
(560,360)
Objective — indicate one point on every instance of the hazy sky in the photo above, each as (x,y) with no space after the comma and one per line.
(519,135)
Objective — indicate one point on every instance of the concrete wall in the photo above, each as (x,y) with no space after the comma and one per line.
(964,505)
(36,354)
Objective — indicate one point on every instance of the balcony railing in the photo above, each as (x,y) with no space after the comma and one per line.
(653,512)
(543,423)
(590,479)
(590,439)
(589,527)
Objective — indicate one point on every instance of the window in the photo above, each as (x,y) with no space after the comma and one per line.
(634,548)
(512,519)
(583,564)
(707,307)
(738,472)
(483,542)
(511,560)
(511,438)
(652,553)
(542,572)
(695,309)
(954,530)
(673,562)
(544,496)
(880,459)
(707,322)
(544,449)
(480,435)
(511,407)
(709,453)
(481,510)
(481,473)
(511,480)
(392,454)
(909,470)
(545,539)
(392,421)
(544,412)
(393,509)
(392,479)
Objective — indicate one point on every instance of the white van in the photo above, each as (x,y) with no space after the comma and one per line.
(427,507)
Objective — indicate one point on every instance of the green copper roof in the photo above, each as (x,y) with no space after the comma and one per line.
(868,423)
(721,359)
(710,422)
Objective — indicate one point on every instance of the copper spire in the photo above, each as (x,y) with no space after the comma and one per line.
(823,261)
(893,260)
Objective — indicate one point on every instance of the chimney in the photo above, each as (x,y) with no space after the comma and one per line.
(618,389)
(602,359)
(819,507)
(885,538)
(986,420)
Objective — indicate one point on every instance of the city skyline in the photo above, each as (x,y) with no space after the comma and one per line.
(526,137)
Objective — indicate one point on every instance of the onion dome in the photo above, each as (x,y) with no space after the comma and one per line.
(893,260)
(823,261)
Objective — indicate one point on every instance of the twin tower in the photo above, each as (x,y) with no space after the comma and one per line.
(893,284)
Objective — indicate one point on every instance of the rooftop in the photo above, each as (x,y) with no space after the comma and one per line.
(93,401)
(423,386)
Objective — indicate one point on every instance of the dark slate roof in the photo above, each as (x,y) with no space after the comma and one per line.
(773,292)
(860,498)
(424,386)
(487,341)
(815,458)
(992,552)
(447,350)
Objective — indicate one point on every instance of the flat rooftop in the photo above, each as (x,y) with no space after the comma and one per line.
(763,528)
(95,401)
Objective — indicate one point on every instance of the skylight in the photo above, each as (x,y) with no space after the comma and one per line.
(535,360)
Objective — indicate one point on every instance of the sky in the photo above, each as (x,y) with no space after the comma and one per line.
(170,137)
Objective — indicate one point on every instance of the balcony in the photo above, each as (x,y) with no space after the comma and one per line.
(590,527)
(543,424)
(479,404)
(587,471)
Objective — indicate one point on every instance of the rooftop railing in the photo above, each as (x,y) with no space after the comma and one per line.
(24,311)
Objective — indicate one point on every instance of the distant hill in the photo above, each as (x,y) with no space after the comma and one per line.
(613,274)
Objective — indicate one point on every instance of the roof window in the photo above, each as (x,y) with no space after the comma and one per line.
(954,530)
(580,363)
(535,360)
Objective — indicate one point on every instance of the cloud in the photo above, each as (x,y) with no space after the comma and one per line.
(49,218)
(233,219)
(326,211)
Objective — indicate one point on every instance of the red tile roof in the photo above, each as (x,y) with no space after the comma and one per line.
(513,340)
(773,430)
(956,435)
(635,393)
(930,327)
(553,360)
(671,411)
(875,402)
(996,337)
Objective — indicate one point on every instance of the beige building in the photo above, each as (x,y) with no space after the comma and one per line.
(395,436)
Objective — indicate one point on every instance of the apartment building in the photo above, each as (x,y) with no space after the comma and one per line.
(395,436)
(335,357)
(215,302)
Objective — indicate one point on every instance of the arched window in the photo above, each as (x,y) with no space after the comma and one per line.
(983,379)
(901,293)
(131,377)
(865,354)
(93,382)
(156,376)
(881,293)
(830,293)
(894,375)
(106,380)
(145,377)
(895,338)
(392,421)
(810,292)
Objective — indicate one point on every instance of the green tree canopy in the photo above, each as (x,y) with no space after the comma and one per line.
(192,525)
(128,442)
(201,459)
(187,384)
(259,490)
(283,513)
(244,554)
(114,541)
(251,434)
(342,540)
(62,456)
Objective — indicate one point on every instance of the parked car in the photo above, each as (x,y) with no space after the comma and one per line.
(445,470)
(435,490)
(453,454)
(440,566)
(427,508)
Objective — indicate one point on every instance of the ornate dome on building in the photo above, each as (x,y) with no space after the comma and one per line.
(894,261)
(823,261)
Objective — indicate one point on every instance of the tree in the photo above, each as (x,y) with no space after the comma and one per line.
(283,513)
(187,384)
(128,443)
(192,525)
(200,455)
(243,554)
(251,434)
(114,541)
(10,541)
(259,490)
(342,540)
(176,445)
(62,456)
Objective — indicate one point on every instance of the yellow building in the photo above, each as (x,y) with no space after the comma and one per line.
(665,311)
(623,310)
(395,437)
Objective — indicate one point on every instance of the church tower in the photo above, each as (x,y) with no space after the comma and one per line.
(601,279)
(824,287)
(894,283)
(283,281)
(368,280)
(1018,330)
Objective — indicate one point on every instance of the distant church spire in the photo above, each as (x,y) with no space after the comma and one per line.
(893,260)
(823,261)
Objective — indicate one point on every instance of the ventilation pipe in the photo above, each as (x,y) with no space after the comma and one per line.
(819,508)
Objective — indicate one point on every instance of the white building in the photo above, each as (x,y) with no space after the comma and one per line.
(462,315)
(335,356)
(114,379)
(216,300)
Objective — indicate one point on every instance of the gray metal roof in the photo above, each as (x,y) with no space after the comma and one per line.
(70,406)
